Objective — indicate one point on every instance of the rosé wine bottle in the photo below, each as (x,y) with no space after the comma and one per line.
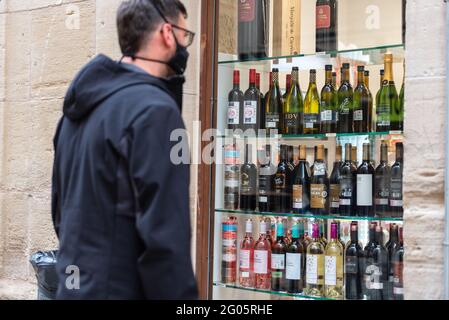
(246,266)
(262,260)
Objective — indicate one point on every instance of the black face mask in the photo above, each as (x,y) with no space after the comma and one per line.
(178,63)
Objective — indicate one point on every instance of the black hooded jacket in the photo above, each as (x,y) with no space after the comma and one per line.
(120,206)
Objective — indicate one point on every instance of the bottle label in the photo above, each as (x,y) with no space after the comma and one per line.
(310,120)
(247,10)
(314,269)
(280,181)
(272,120)
(234,113)
(396,203)
(323,17)
(330,271)
(381,202)
(250,116)
(358,115)
(260,261)
(345,191)
(278,261)
(244,274)
(335,195)
(383,115)
(292,120)
(351,266)
(326,115)
(245,259)
(263,199)
(373,275)
(297,197)
(318,195)
(364,190)
(382,190)
(398,291)
(345,106)
(246,185)
(396,189)
(229,257)
(293,269)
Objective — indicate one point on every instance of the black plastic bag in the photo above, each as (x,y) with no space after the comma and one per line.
(44,264)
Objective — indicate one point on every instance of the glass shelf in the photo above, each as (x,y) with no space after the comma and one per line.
(370,56)
(282,294)
(309,216)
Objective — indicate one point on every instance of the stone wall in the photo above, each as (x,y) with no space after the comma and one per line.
(43,43)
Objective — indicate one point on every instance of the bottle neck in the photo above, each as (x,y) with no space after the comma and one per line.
(361,78)
(366,153)
(354,235)
(394,234)
(388,70)
(345,75)
(348,153)
(288,83)
(312,78)
(295,77)
(334,232)
(367,81)
(248,154)
(399,153)
(384,153)
(329,79)
(283,154)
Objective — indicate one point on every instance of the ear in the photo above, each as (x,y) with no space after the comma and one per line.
(167,35)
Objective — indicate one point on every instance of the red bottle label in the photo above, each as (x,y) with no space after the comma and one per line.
(323,17)
(247,10)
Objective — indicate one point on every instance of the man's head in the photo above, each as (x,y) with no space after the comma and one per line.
(152,28)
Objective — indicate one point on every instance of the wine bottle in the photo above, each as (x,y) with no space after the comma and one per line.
(348,176)
(388,98)
(365,185)
(294,107)
(333,280)
(326,25)
(301,184)
(361,103)
(328,107)
(252,37)
(319,185)
(315,265)
(251,113)
(288,84)
(235,98)
(248,182)
(392,246)
(278,253)
(323,235)
(262,260)
(382,76)
(401,108)
(232,177)
(246,266)
(398,267)
(294,262)
(382,183)
(353,271)
(335,183)
(273,104)
(304,240)
(229,250)
(290,170)
(271,230)
(378,271)
(266,182)
(397,113)
(281,183)
(368,261)
(312,107)
(345,102)
(261,112)
(371,122)
(396,183)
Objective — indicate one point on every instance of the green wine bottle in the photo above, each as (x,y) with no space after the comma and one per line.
(397,117)
(294,107)
(312,107)
(382,76)
(361,103)
(345,102)
(371,122)
(388,99)
(273,104)
(328,106)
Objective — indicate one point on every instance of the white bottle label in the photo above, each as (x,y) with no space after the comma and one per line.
(263,199)
(398,290)
(234,113)
(396,203)
(260,261)
(278,261)
(245,274)
(229,257)
(312,269)
(293,270)
(245,259)
(382,202)
(326,115)
(330,271)
(358,115)
(250,116)
(345,202)
(364,190)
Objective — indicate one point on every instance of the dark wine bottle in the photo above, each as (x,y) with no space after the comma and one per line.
(378,270)
(361,103)
(290,169)
(261,112)
(266,182)
(365,185)
(392,246)
(368,261)
(382,183)
(281,203)
(319,185)
(301,184)
(294,107)
(396,183)
(335,183)
(248,182)
(251,112)
(353,271)
(294,262)
(278,254)
(345,102)
(326,25)
(273,104)
(398,267)
(348,184)
(235,106)
(252,37)
(328,107)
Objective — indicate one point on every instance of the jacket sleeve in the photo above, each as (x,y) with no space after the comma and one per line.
(55,198)
(163,220)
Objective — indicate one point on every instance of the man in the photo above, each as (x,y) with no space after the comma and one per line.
(119,204)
